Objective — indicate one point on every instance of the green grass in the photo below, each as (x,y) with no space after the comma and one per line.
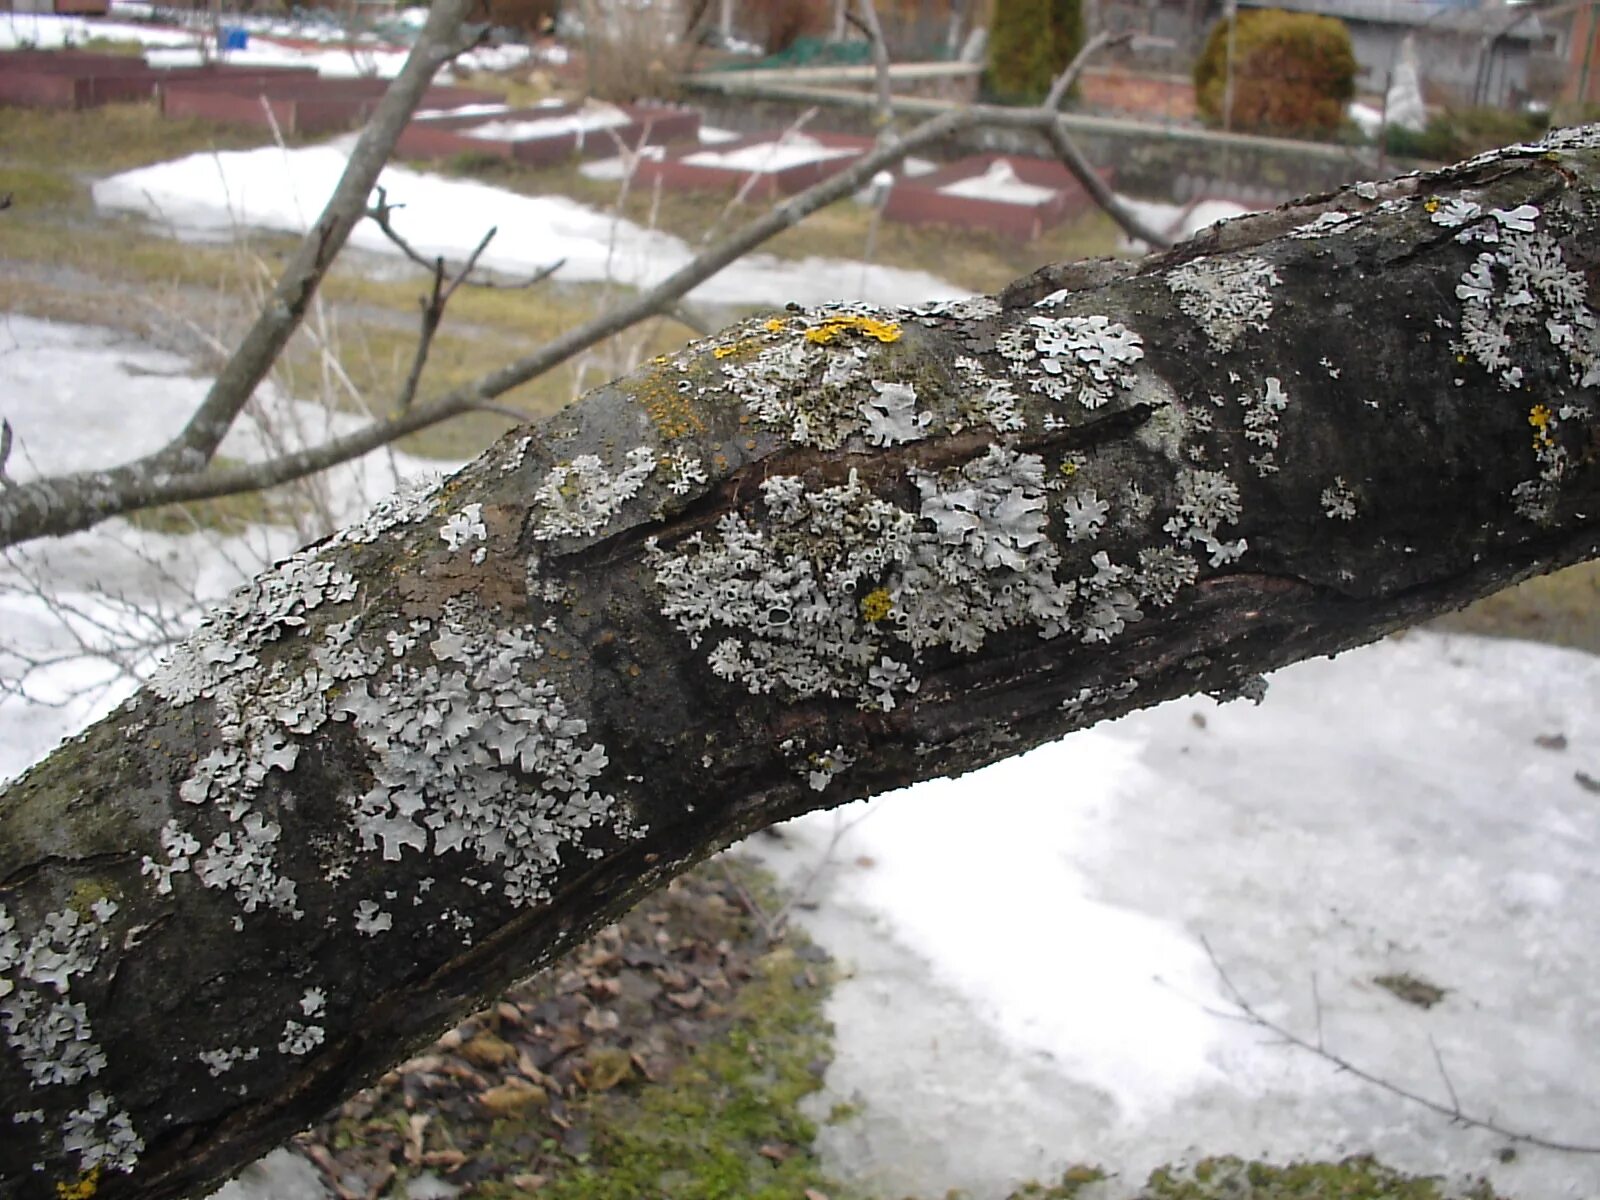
(1360,1178)
(700,1135)
(117,137)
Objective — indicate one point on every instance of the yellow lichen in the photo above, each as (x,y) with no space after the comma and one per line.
(877,604)
(1540,417)
(86,1186)
(831,329)
(773,325)
(1431,204)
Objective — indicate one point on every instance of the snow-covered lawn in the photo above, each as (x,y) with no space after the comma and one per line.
(81,398)
(1027,985)
(271,188)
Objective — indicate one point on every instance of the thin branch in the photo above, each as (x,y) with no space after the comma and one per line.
(1064,81)
(379,214)
(283,312)
(73,502)
(5,451)
(880,60)
(1438,1061)
(1083,171)
(433,313)
(800,895)
(1453,1110)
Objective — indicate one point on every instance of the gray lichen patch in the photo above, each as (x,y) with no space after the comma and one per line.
(836,591)
(1525,318)
(50,1033)
(818,378)
(469,754)
(1227,296)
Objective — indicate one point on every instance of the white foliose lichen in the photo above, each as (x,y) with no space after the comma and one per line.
(972,308)
(463,526)
(264,609)
(839,591)
(1339,500)
(1261,413)
(101,1136)
(300,1038)
(580,498)
(1518,291)
(1207,500)
(1081,358)
(1516,298)
(821,767)
(984,399)
(220,1061)
(1226,297)
(890,415)
(684,472)
(1325,225)
(1084,513)
(257,715)
(469,755)
(411,501)
(372,920)
(795,592)
(48,1032)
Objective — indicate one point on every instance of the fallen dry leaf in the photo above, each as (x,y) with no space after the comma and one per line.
(416,1125)
(608,1066)
(487,1050)
(513,1097)
(688,1000)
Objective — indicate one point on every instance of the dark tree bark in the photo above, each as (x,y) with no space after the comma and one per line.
(815,557)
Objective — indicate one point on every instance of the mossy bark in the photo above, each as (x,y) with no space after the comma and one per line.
(424,757)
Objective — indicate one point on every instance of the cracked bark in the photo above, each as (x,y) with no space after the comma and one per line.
(1430,452)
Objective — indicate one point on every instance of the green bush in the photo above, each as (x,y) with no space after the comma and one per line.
(1461,133)
(1030,43)
(1292,72)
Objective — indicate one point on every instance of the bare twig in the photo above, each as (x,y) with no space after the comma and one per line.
(1083,171)
(1453,1110)
(1438,1061)
(1064,81)
(436,44)
(69,503)
(880,60)
(379,212)
(769,930)
(433,313)
(801,895)
(5,451)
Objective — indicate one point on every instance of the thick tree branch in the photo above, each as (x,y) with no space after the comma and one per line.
(815,557)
